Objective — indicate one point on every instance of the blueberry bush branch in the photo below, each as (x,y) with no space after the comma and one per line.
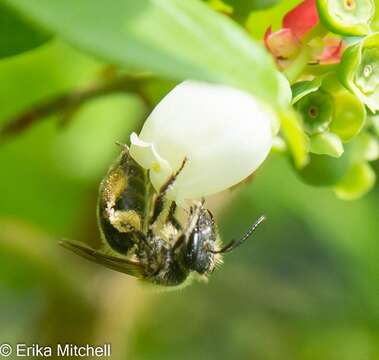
(68,103)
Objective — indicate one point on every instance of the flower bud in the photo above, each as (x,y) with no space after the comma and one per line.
(349,115)
(359,71)
(316,109)
(359,180)
(324,170)
(224,133)
(326,105)
(347,17)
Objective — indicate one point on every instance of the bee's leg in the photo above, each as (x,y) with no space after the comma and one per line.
(159,202)
(171,216)
(122,146)
(179,242)
(194,215)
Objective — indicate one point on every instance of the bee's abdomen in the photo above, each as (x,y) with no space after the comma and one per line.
(131,199)
(122,205)
(133,196)
(118,241)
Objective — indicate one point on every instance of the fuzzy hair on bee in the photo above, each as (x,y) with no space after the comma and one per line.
(141,235)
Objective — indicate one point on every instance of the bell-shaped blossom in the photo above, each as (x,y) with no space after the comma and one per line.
(347,17)
(224,133)
(359,70)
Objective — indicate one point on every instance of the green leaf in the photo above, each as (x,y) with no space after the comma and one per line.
(259,21)
(303,88)
(326,143)
(242,8)
(174,38)
(220,6)
(357,182)
(295,137)
(17,34)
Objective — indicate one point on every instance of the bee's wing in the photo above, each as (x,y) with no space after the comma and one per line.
(125,266)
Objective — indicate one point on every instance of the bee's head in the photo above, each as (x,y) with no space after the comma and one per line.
(203,250)
(201,246)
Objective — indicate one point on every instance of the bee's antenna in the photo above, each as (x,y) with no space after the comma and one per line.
(235,243)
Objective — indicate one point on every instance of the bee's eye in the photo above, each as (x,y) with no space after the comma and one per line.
(198,258)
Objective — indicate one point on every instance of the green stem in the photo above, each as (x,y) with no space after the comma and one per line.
(66,103)
(295,69)
(318,69)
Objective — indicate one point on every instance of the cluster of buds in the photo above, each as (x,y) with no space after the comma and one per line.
(328,52)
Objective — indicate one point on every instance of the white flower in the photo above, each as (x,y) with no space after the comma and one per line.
(224,133)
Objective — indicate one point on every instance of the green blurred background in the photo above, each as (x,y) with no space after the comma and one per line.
(304,287)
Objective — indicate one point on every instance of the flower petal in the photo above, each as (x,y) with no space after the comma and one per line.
(302,18)
(224,133)
(147,156)
(332,51)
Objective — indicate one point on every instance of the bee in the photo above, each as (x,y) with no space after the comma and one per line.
(141,235)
